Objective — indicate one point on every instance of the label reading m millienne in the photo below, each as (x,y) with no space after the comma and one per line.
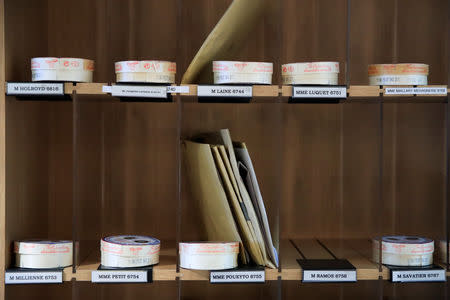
(32,277)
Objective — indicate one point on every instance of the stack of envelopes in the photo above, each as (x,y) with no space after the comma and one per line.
(223,181)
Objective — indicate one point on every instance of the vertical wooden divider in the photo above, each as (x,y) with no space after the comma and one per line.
(3,251)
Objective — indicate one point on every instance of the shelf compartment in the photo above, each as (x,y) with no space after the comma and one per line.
(166,270)
(356,251)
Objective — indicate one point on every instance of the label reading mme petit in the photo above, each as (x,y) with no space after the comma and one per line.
(147,91)
(12,277)
(237,276)
(329,276)
(418,275)
(224,91)
(417,91)
(112,276)
(319,92)
(34,89)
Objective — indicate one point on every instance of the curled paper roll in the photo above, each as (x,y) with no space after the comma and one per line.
(62,69)
(209,255)
(126,251)
(239,72)
(404,250)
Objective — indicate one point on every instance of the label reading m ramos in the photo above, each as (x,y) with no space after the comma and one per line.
(418,275)
(33,277)
(319,92)
(442,90)
(224,91)
(329,276)
(248,276)
(122,276)
(34,89)
(139,91)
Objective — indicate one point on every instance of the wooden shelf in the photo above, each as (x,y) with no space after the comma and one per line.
(357,252)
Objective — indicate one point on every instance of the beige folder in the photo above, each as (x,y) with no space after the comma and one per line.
(241,216)
(223,137)
(206,187)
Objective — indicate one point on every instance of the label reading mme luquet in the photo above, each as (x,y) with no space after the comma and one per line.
(12,277)
(319,92)
(418,275)
(247,276)
(139,91)
(123,276)
(224,91)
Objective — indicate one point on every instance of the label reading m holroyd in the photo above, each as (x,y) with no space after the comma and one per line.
(34,89)
(247,276)
(224,91)
(418,275)
(12,277)
(319,92)
(416,91)
(139,91)
(122,276)
(329,276)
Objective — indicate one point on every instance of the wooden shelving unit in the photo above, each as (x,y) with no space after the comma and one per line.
(333,176)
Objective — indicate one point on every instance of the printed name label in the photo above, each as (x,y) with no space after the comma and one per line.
(34,89)
(416,91)
(418,275)
(329,276)
(178,89)
(237,276)
(112,276)
(12,277)
(224,91)
(319,92)
(139,91)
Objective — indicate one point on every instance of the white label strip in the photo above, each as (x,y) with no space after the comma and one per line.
(31,88)
(183,89)
(318,92)
(32,277)
(110,276)
(224,91)
(329,276)
(418,275)
(237,276)
(139,91)
(417,90)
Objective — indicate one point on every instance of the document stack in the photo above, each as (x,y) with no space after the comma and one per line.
(223,181)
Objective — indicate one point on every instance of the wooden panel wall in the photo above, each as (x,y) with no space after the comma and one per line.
(314,30)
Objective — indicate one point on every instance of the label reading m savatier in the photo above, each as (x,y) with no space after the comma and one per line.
(32,277)
(319,92)
(224,91)
(418,275)
(329,276)
(34,89)
(248,276)
(125,276)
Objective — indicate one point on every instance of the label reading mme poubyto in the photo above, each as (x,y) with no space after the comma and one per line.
(33,277)
(146,91)
(319,92)
(329,276)
(122,276)
(442,90)
(224,91)
(34,89)
(248,276)
(435,275)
